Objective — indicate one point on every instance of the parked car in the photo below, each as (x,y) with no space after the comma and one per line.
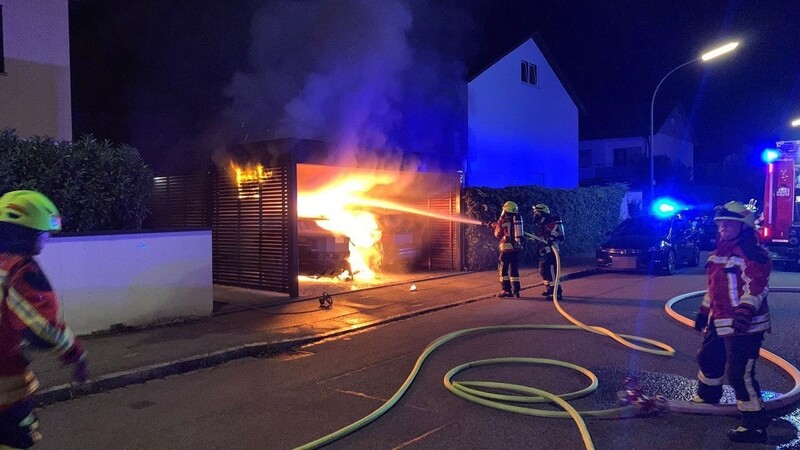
(401,246)
(703,222)
(322,252)
(652,244)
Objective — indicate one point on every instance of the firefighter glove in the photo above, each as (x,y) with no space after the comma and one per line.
(701,321)
(743,317)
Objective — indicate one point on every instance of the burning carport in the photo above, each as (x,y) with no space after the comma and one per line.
(274,219)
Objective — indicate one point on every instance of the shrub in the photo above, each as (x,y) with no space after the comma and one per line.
(95,185)
(588,213)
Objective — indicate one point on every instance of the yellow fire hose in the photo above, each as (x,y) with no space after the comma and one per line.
(466,389)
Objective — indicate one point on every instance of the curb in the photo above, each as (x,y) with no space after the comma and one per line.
(103,383)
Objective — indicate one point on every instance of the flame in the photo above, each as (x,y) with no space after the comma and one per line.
(336,203)
(248,179)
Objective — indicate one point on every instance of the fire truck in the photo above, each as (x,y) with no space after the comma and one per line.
(780,228)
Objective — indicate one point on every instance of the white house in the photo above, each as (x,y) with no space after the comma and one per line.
(522,122)
(615,159)
(34,68)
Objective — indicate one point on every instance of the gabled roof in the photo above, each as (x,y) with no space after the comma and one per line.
(548,56)
(677,125)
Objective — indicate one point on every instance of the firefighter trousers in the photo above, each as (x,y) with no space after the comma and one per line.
(547,269)
(508,269)
(735,355)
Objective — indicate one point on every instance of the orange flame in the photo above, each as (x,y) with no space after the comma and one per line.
(248,178)
(334,203)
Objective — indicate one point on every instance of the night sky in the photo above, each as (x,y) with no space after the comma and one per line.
(176,78)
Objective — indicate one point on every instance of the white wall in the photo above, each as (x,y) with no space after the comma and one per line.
(520,134)
(130,279)
(677,149)
(603,152)
(35,94)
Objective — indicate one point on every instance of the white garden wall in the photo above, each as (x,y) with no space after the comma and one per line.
(130,279)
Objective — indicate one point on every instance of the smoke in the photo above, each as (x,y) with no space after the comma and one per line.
(358,74)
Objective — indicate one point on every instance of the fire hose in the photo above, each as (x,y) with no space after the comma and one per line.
(635,404)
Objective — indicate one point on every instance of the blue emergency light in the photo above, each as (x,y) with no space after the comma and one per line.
(665,207)
(770,154)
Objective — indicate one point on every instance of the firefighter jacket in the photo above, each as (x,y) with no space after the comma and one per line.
(550,230)
(28,317)
(738,273)
(509,230)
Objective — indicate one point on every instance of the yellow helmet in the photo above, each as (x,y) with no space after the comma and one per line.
(734,210)
(30,209)
(541,207)
(510,207)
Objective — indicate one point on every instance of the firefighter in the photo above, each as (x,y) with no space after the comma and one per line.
(28,313)
(548,231)
(735,316)
(509,230)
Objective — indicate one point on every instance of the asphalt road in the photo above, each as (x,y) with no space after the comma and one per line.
(287,400)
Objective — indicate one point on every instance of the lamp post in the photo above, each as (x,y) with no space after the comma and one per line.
(796,122)
(704,57)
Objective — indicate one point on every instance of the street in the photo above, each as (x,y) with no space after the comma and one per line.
(293,398)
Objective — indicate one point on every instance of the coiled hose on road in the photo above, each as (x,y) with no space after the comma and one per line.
(469,389)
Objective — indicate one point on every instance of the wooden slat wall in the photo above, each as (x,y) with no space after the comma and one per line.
(179,202)
(444,236)
(252,238)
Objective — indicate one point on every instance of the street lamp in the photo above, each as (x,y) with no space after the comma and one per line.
(704,57)
(796,123)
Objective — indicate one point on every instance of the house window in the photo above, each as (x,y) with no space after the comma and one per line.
(620,157)
(2,56)
(529,74)
(585,157)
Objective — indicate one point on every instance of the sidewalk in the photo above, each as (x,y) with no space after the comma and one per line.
(245,325)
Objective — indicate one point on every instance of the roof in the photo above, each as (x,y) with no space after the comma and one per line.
(548,56)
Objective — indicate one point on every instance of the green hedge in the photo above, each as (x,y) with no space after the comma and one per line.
(95,185)
(588,213)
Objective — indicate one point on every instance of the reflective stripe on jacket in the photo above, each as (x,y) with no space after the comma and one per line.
(28,316)
(736,276)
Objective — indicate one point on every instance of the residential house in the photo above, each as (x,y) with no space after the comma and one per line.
(626,159)
(522,122)
(35,95)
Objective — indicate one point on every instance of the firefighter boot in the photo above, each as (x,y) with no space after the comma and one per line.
(506,292)
(516,288)
(748,435)
(707,394)
(548,291)
(753,429)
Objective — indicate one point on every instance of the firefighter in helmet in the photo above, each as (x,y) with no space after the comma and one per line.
(734,316)
(28,313)
(548,231)
(509,230)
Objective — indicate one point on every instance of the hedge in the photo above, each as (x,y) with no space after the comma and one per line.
(588,213)
(95,185)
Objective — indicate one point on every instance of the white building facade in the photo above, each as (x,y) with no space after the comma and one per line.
(617,159)
(522,124)
(35,94)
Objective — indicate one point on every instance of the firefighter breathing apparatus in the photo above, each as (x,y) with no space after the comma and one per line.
(633,402)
